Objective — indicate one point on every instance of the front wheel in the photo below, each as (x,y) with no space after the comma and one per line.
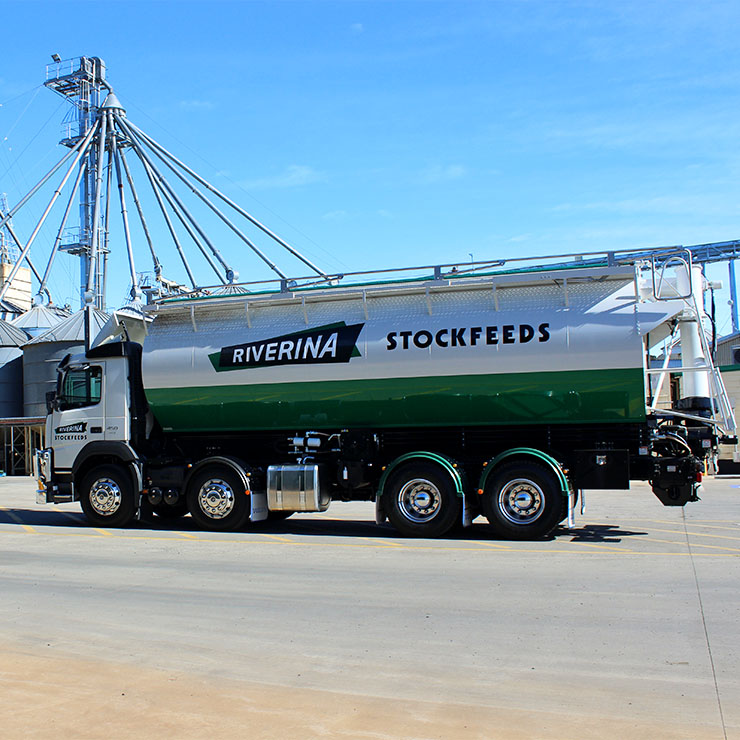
(107,496)
(217,499)
(421,501)
(523,501)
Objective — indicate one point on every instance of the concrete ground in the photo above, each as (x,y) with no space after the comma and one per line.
(326,626)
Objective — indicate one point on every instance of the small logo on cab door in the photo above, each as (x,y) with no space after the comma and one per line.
(79,428)
(76,431)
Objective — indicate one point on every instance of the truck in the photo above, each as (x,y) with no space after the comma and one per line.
(504,392)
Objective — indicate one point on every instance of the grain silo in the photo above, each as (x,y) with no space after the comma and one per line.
(43,353)
(11,370)
(40,319)
(9,311)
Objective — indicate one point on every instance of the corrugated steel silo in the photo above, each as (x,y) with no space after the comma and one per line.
(8,310)
(11,370)
(43,353)
(39,319)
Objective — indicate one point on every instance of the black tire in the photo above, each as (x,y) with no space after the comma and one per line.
(217,500)
(523,501)
(107,496)
(420,500)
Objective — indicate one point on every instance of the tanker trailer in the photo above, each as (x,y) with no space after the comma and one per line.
(439,399)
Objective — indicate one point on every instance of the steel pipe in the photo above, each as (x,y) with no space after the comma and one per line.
(165,185)
(156,146)
(224,218)
(41,221)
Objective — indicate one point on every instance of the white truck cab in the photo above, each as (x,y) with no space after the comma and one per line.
(93,417)
(90,405)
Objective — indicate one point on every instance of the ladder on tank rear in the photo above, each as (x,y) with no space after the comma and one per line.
(683,287)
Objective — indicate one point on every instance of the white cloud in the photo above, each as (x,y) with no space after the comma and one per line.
(294,175)
(441,173)
(670,205)
(197,105)
(339,215)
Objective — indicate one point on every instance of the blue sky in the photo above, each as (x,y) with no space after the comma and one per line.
(394,133)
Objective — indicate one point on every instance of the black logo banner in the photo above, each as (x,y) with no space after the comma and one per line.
(79,428)
(324,344)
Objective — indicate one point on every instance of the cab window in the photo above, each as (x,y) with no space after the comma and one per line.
(80,387)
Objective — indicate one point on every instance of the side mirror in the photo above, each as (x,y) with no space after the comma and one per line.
(51,401)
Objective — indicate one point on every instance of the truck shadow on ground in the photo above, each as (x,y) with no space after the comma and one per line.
(308,526)
(598,533)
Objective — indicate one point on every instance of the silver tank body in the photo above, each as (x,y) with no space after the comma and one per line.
(500,349)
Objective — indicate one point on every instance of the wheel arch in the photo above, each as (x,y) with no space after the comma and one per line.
(233,464)
(527,454)
(449,466)
(99,453)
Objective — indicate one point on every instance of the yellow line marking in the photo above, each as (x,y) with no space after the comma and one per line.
(106,532)
(733,528)
(608,548)
(276,537)
(427,548)
(496,546)
(381,541)
(697,523)
(698,534)
(188,535)
(77,518)
(698,544)
(18,520)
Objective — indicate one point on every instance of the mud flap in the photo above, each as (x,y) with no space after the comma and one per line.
(571,508)
(469,512)
(380,516)
(258,512)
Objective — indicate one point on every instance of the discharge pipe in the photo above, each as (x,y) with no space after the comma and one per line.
(695,383)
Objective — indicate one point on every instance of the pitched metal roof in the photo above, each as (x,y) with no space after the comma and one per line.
(11,336)
(40,317)
(72,329)
(7,306)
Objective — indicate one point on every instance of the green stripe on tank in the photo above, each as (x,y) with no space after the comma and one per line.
(591,396)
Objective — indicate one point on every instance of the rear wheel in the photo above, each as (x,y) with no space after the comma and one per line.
(523,501)
(217,499)
(420,500)
(107,496)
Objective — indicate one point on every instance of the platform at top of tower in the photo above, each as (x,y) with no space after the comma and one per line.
(68,76)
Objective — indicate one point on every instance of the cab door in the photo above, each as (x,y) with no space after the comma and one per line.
(79,413)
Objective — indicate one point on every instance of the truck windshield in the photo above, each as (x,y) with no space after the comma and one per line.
(80,387)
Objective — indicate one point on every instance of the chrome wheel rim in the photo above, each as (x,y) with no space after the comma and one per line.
(105,496)
(419,500)
(216,498)
(521,501)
